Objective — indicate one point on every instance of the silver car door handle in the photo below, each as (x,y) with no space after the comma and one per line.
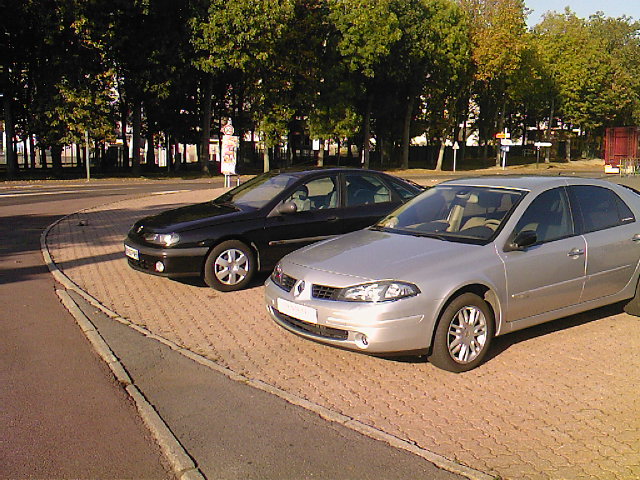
(576,252)
(636,237)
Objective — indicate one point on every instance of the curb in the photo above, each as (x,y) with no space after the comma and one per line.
(179,459)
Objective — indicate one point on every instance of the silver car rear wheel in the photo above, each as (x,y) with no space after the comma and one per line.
(463,334)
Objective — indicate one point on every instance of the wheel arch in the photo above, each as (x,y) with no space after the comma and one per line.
(238,238)
(482,290)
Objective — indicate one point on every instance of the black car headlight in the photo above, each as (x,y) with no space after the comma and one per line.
(164,239)
(384,291)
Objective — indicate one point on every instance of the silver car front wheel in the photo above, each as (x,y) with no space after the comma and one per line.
(463,334)
(467,334)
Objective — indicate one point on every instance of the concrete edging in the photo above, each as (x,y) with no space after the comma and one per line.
(168,442)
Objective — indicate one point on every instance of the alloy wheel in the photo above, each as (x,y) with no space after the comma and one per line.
(467,335)
(231,266)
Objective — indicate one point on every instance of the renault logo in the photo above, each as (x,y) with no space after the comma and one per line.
(299,288)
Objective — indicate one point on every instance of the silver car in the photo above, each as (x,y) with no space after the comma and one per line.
(462,263)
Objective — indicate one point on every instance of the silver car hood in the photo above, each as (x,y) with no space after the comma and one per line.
(373,255)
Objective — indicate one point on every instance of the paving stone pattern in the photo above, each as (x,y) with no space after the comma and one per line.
(559,401)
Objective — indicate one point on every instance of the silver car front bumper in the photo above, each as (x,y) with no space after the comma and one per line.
(389,327)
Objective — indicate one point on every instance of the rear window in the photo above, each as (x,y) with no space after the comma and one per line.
(601,208)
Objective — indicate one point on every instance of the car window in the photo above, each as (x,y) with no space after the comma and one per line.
(454,212)
(549,216)
(366,189)
(600,207)
(316,194)
(402,190)
(258,191)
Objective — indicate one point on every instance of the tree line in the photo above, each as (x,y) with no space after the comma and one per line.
(375,73)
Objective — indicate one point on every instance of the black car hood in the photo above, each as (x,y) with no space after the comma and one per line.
(195,216)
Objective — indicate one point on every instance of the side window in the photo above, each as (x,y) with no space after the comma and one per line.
(316,194)
(403,192)
(366,189)
(601,208)
(548,216)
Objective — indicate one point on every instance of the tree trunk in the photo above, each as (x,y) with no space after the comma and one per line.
(43,158)
(9,131)
(547,157)
(321,155)
(151,151)
(25,153)
(137,128)
(440,155)
(266,160)
(406,131)
(206,124)
(124,114)
(366,147)
(56,160)
(500,126)
(79,156)
(169,147)
(32,151)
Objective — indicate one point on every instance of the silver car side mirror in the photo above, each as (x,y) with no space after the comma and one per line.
(523,240)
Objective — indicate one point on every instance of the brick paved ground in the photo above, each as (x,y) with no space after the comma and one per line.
(556,401)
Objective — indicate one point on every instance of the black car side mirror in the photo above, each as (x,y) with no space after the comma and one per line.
(523,240)
(286,208)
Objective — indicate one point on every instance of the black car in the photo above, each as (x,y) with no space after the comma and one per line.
(252,226)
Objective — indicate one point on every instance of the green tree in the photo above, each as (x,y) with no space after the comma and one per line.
(238,41)
(497,30)
(592,64)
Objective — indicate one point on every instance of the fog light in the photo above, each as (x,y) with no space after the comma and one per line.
(362,341)
(159,267)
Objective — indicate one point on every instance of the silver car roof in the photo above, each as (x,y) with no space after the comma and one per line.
(526,182)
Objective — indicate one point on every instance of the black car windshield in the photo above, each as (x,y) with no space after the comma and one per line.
(454,212)
(258,191)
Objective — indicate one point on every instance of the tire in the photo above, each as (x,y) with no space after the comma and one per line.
(456,346)
(230,266)
(633,306)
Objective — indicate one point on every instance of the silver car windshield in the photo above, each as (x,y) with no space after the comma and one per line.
(454,212)
(258,191)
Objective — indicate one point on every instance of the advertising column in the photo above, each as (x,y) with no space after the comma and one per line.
(229,148)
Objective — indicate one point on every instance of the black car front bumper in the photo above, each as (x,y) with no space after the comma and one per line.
(176,262)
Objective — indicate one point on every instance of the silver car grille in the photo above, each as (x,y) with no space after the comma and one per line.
(324,292)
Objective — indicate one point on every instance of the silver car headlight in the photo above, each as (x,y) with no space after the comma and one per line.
(164,239)
(384,291)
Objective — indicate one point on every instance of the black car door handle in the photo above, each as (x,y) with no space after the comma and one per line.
(332,219)
(576,252)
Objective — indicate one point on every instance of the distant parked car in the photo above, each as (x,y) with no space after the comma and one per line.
(253,225)
(463,262)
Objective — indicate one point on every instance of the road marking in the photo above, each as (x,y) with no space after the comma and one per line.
(169,191)
(67,192)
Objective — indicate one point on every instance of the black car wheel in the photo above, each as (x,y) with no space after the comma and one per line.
(463,334)
(229,266)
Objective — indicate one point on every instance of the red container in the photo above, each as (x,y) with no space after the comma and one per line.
(621,148)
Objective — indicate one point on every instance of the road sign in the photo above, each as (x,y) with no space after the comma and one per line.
(542,144)
(506,142)
(503,135)
(456,146)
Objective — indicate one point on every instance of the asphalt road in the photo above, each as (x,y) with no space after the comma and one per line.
(63,415)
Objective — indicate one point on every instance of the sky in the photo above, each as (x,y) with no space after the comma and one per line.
(584,8)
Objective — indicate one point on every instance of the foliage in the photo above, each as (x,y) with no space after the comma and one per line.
(341,69)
